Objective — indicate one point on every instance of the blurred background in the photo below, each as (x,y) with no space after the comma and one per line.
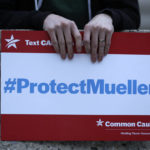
(145,14)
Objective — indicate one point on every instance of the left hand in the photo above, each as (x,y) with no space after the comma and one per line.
(97,36)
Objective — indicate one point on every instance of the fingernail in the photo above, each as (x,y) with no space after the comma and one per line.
(63,56)
(93,59)
(100,59)
(70,56)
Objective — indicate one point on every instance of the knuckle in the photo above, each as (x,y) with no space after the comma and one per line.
(69,42)
(78,37)
(57,26)
(103,28)
(50,29)
(70,50)
(54,43)
(102,44)
(87,26)
(86,42)
(72,23)
(94,46)
(108,30)
(64,24)
(62,43)
(95,28)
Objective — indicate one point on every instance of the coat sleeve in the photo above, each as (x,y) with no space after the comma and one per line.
(12,17)
(125,13)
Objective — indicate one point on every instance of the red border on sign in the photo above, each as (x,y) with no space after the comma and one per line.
(71,128)
(122,42)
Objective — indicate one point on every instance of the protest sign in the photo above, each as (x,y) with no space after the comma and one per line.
(46,98)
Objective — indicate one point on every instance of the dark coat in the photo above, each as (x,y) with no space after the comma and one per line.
(21,14)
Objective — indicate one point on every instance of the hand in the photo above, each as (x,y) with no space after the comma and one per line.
(97,36)
(62,32)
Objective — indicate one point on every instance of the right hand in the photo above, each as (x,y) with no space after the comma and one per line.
(62,32)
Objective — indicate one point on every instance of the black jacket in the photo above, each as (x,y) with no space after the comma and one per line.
(21,14)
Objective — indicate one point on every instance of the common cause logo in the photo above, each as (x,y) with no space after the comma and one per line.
(122,124)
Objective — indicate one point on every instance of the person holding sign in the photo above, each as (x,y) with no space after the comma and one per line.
(62,19)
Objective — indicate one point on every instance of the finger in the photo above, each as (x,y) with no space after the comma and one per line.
(101,45)
(61,42)
(77,36)
(54,40)
(94,45)
(108,42)
(69,42)
(87,39)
